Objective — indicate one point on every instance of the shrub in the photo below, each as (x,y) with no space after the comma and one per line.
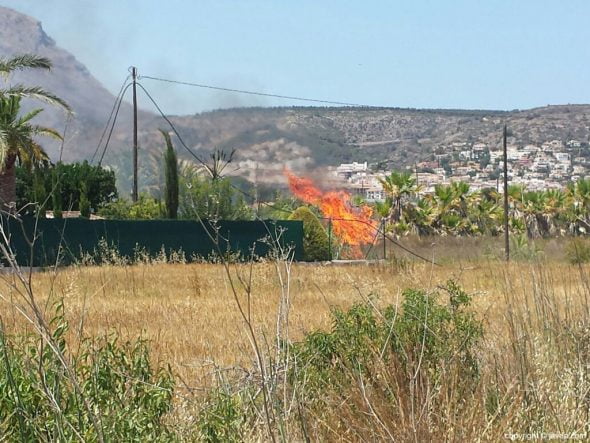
(315,238)
(524,249)
(99,183)
(205,198)
(222,417)
(104,388)
(578,251)
(146,208)
(389,360)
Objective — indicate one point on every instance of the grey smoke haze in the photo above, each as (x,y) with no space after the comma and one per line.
(108,41)
(191,99)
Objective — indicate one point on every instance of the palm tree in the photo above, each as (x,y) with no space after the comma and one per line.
(485,214)
(533,203)
(421,216)
(17,134)
(443,197)
(398,186)
(17,144)
(462,197)
(556,208)
(578,214)
(454,203)
(382,208)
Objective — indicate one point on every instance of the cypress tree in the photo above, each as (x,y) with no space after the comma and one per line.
(84,203)
(39,192)
(56,192)
(171,174)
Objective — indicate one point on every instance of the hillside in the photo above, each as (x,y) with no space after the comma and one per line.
(69,79)
(268,139)
(304,139)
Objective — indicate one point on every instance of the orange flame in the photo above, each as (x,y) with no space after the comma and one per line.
(353,227)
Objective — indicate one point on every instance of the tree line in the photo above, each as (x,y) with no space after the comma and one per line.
(456,209)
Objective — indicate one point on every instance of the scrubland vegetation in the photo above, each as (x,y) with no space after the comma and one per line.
(472,349)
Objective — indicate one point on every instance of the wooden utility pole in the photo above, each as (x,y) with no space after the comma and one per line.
(384,239)
(506,232)
(330,239)
(134,192)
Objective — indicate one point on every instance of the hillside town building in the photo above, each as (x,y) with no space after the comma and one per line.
(551,165)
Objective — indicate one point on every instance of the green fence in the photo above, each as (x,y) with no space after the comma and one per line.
(73,238)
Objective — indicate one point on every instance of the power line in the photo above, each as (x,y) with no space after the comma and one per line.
(190,151)
(104,151)
(377,230)
(117,98)
(63,140)
(263,94)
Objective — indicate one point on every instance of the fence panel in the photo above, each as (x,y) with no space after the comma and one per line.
(77,236)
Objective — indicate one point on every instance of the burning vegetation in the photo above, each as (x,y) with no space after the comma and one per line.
(353,226)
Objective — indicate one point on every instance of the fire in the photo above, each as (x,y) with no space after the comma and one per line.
(353,227)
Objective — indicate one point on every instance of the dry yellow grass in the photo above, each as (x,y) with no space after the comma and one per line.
(189,314)
(534,351)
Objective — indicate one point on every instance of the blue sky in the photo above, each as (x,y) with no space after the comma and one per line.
(425,54)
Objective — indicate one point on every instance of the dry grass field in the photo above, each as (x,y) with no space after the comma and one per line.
(189,314)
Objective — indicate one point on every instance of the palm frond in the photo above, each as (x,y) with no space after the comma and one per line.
(9,108)
(29,116)
(48,132)
(36,93)
(32,155)
(23,61)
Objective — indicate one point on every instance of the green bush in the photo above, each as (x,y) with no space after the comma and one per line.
(205,198)
(39,193)
(578,251)
(109,388)
(524,249)
(146,208)
(426,336)
(99,183)
(315,238)
(371,367)
(222,417)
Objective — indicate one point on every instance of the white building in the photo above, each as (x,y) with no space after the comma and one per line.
(347,170)
(574,144)
(465,155)
(562,157)
(531,149)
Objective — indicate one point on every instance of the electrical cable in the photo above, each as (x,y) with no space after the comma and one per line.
(184,145)
(63,140)
(263,94)
(372,244)
(378,230)
(104,151)
(117,98)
